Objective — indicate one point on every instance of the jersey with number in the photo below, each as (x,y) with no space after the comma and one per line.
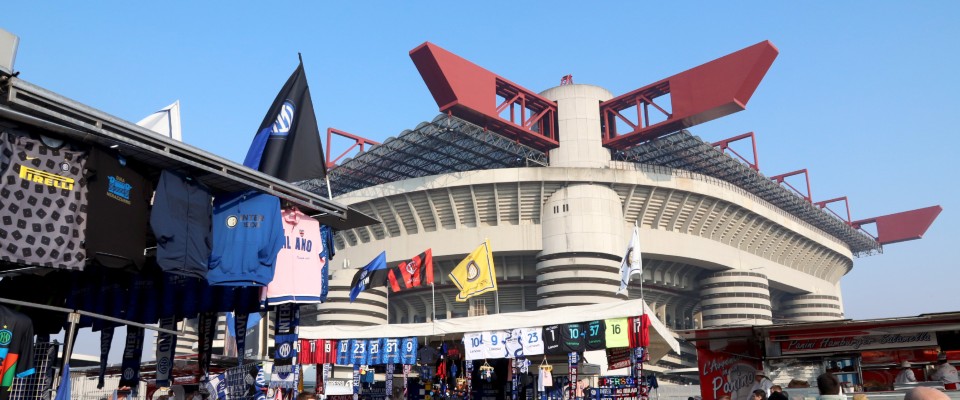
(343,351)
(493,344)
(408,351)
(473,346)
(571,337)
(532,341)
(391,351)
(308,352)
(552,339)
(375,351)
(617,332)
(640,331)
(326,351)
(596,338)
(358,352)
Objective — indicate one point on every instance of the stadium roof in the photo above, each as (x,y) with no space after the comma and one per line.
(449,144)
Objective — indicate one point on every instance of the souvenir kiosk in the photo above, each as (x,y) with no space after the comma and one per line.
(864,355)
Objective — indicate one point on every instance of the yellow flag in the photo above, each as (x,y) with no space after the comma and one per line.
(475,275)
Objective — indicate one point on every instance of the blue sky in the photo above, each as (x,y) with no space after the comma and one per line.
(863,94)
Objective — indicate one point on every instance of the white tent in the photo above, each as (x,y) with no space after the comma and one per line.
(661,339)
(165,122)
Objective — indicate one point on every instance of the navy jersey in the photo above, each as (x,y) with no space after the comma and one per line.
(391,351)
(408,351)
(343,351)
(180,219)
(551,340)
(571,337)
(595,338)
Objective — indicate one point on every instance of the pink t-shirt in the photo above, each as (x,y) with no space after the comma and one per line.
(298,277)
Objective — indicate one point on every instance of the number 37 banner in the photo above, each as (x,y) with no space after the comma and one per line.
(503,344)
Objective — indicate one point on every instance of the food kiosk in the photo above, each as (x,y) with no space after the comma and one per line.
(865,356)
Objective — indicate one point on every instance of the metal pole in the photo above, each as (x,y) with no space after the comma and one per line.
(88,314)
(433,292)
(329,191)
(74,319)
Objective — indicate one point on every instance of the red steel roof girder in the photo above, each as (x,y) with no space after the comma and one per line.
(902,226)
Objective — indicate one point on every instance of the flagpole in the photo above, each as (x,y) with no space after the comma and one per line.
(388,303)
(496,293)
(643,302)
(433,292)
(327,177)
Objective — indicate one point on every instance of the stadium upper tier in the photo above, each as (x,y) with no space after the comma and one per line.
(449,145)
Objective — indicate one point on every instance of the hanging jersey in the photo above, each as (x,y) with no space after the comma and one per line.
(408,351)
(326,352)
(494,346)
(531,340)
(391,351)
(299,271)
(326,233)
(247,235)
(118,199)
(572,337)
(617,332)
(514,343)
(552,339)
(43,203)
(16,348)
(308,352)
(359,352)
(180,220)
(640,331)
(473,346)
(595,336)
(343,351)
(375,348)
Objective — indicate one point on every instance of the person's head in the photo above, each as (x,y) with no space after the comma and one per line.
(925,393)
(724,397)
(307,396)
(759,375)
(905,364)
(777,396)
(828,384)
(775,388)
(759,395)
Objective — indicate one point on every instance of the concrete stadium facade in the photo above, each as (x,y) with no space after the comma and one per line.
(714,254)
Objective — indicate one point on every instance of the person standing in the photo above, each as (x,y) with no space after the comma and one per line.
(761,382)
(906,374)
(946,373)
(829,387)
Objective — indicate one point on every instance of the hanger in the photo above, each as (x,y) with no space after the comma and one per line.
(544,365)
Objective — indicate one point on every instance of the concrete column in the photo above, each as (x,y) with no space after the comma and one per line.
(578,126)
(811,307)
(583,230)
(735,298)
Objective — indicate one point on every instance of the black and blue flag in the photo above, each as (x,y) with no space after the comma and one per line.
(287,145)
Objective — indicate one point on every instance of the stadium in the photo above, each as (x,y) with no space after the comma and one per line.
(556,180)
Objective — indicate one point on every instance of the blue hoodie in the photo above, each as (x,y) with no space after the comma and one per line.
(247,235)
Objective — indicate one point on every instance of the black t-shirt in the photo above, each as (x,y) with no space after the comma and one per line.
(571,337)
(118,198)
(551,340)
(596,335)
(16,346)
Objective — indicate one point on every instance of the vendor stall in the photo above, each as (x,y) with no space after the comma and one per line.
(864,356)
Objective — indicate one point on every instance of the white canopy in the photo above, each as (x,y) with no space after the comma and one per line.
(661,338)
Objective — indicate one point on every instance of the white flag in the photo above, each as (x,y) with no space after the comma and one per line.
(631,261)
(165,122)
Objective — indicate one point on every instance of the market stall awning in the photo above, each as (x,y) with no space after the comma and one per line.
(661,338)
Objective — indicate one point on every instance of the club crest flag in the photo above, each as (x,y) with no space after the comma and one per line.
(631,261)
(412,273)
(475,275)
(371,275)
(287,145)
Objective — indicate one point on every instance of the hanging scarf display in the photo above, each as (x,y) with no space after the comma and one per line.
(285,334)
(388,385)
(240,320)
(166,343)
(206,332)
(130,366)
(106,340)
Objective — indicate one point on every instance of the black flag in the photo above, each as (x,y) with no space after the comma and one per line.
(287,145)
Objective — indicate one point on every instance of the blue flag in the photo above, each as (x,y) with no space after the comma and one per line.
(63,392)
(371,275)
(287,145)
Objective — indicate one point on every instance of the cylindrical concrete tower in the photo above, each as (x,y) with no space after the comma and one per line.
(735,298)
(582,224)
(370,308)
(811,307)
(578,126)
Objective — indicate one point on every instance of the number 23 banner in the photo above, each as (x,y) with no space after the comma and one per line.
(503,344)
